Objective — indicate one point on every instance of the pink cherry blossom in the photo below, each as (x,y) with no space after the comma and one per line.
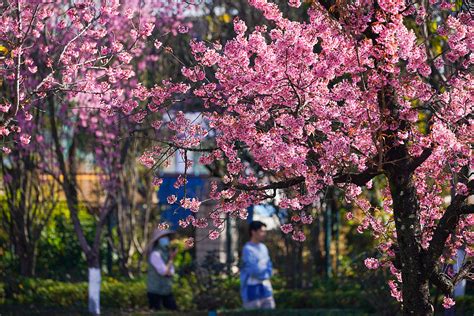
(243,214)
(190,203)
(183,29)
(157,44)
(163,226)
(157,181)
(294,3)
(171,199)
(298,236)
(372,263)
(448,302)
(25,139)
(181,181)
(307,219)
(286,228)
(214,234)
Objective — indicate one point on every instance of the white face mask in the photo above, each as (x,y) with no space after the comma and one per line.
(164,241)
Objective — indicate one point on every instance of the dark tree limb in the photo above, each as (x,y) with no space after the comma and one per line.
(359,179)
(275,185)
(442,282)
(356,178)
(447,224)
(417,161)
(462,274)
(446,284)
(68,184)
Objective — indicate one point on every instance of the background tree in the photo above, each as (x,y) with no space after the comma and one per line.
(64,55)
(29,201)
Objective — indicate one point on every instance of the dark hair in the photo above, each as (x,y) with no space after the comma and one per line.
(254,226)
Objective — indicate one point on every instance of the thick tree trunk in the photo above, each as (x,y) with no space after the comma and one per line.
(415,287)
(24,244)
(27,255)
(69,185)
(124,234)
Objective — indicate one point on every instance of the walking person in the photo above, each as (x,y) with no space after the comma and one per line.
(161,270)
(255,286)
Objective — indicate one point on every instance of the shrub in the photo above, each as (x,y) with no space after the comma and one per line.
(2,293)
(198,292)
(45,292)
(114,293)
(465,305)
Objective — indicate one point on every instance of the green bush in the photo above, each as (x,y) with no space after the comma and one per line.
(465,305)
(49,293)
(193,292)
(202,291)
(124,294)
(54,293)
(2,293)
(184,293)
(114,293)
(288,299)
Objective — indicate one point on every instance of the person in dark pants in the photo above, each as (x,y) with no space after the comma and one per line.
(160,271)
(155,301)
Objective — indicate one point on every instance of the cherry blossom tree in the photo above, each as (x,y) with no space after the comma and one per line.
(29,195)
(361,90)
(68,59)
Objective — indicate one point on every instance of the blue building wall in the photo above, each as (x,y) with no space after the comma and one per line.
(195,188)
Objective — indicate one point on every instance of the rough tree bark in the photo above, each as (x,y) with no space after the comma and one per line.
(415,286)
(67,168)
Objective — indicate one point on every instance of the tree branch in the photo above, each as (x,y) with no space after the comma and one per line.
(417,161)
(462,274)
(104,212)
(447,225)
(359,179)
(68,183)
(442,282)
(356,178)
(275,185)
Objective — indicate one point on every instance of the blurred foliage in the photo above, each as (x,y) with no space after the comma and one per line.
(197,287)
(337,296)
(209,287)
(60,256)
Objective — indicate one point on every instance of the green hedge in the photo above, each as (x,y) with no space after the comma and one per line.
(131,295)
(188,292)
(113,294)
(316,299)
(465,305)
(54,293)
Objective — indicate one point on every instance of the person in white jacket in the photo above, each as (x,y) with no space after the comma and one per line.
(161,271)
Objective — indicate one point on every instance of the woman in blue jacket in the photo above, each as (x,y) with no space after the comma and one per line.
(255,286)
